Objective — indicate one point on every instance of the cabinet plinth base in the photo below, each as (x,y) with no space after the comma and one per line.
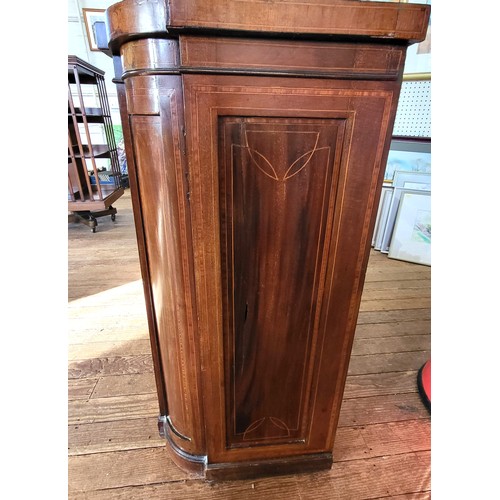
(242,470)
(275,467)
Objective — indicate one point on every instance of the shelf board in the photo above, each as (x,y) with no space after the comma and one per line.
(98,150)
(83,77)
(93,115)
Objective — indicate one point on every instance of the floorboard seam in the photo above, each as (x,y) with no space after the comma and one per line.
(423,417)
(381,373)
(395,352)
(380,456)
(381,395)
(100,452)
(398,494)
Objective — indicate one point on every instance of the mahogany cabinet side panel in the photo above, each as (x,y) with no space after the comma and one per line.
(141,242)
(247,302)
(160,165)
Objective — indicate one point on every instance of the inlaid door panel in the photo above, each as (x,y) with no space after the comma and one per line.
(283,175)
(276,179)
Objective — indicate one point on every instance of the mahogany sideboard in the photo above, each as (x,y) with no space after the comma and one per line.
(257,134)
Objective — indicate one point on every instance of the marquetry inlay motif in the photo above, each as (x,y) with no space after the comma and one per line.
(281,171)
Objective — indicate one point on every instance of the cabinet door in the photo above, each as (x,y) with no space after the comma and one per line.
(283,177)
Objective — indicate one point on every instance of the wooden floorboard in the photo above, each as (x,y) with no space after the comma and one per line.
(111,408)
(394,329)
(380,384)
(382,446)
(391,344)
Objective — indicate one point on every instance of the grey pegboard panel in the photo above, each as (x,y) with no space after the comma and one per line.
(413,117)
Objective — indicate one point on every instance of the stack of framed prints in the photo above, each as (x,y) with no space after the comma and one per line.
(404,182)
(396,209)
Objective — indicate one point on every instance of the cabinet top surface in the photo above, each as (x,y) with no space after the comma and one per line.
(322,19)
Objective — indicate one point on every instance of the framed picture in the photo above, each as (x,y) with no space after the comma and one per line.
(91,16)
(382,213)
(411,240)
(403,182)
(408,156)
(412,180)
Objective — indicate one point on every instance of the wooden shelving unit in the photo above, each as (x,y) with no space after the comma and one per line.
(94,179)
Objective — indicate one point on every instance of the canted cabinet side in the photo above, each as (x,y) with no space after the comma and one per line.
(155,108)
(259,163)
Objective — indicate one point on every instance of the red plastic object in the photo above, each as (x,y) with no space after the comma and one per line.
(424,383)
